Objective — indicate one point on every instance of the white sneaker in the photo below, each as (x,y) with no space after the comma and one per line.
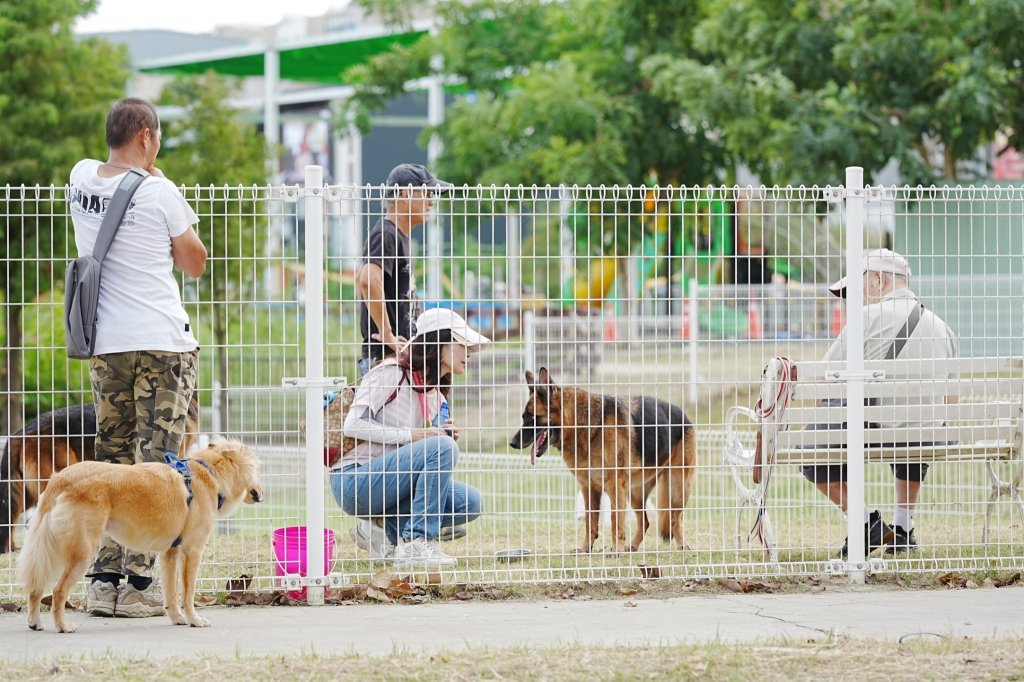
(421,552)
(101,598)
(371,537)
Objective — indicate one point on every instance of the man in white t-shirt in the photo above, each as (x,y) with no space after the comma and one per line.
(143,370)
(888,305)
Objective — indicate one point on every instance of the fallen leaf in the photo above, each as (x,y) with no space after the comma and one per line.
(377,595)
(382,579)
(206,600)
(1015,578)
(630,604)
(948,579)
(730,584)
(496,594)
(48,601)
(747,587)
(240,584)
(971,585)
(649,572)
(349,592)
(627,591)
(988,583)
(462,596)
(9,607)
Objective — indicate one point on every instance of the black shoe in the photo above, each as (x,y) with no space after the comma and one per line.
(876,533)
(902,541)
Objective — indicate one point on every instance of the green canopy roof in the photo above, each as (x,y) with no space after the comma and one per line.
(319,62)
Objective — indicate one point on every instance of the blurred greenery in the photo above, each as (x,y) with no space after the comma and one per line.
(54,94)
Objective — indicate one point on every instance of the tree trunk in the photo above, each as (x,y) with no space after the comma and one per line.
(949,163)
(220,333)
(12,379)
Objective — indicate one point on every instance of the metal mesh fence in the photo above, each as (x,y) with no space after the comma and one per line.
(678,294)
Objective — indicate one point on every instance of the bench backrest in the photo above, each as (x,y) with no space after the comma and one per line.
(907,407)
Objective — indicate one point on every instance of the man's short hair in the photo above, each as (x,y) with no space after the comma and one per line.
(127,117)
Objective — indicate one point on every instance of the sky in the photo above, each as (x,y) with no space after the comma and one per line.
(195,16)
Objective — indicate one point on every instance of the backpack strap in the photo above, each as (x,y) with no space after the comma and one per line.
(904,334)
(116,209)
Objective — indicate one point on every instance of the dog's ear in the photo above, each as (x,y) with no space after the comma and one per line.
(545,377)
(529,379)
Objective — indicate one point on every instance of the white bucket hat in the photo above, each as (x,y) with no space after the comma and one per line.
(436,319)
(879,260)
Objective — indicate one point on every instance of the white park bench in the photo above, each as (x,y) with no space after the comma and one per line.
(983,426)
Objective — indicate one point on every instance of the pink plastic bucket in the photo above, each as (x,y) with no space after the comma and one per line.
(290,554)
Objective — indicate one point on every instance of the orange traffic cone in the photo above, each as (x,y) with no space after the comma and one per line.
(755,331)
(684,326)
(611,332)
(838,319)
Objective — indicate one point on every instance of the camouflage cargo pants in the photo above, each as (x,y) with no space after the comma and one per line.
(142,402)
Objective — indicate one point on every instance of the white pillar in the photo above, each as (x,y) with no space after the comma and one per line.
(855,368)
(314,312)
(435,117)
(690,312)
(514,280)
(271,120)
(567,243)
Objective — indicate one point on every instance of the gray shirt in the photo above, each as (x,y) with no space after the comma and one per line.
(931,338)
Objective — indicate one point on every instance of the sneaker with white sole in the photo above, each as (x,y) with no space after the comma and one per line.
(101,598)
(422,553)
(134,603)
(370,536)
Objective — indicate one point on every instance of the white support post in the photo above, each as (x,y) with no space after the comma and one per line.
(435,117)
(567,243)
(514,279)
(857,564)
(691,313)
(314,312)
(529,342)
(271,120)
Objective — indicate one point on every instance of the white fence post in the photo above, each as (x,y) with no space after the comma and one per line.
(690,313)
(314,311)
(857,567)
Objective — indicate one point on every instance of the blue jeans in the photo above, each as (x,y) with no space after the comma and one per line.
(411,488)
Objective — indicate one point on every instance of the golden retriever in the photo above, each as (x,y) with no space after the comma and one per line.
(143,506)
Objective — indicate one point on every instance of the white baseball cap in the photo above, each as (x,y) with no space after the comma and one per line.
(436,319)
(879,260)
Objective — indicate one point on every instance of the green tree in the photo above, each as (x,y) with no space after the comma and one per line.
(553,93)
(54,95)
(224,158)
(800,90)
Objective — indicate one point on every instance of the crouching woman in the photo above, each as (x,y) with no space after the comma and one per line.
(398,478)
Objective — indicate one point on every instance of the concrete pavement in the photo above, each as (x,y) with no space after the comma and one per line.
(377,628)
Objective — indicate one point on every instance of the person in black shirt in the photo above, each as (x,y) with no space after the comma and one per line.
(385,282)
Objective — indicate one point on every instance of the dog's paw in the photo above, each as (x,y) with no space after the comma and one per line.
(685,547)
(178,619)
(67,628)
(200,622)
(38,627)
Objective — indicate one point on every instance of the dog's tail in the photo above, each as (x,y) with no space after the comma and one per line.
(40,560)
(675,483)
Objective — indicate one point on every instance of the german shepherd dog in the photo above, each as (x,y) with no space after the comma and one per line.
(148,507)
(618,446)
(53,441)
